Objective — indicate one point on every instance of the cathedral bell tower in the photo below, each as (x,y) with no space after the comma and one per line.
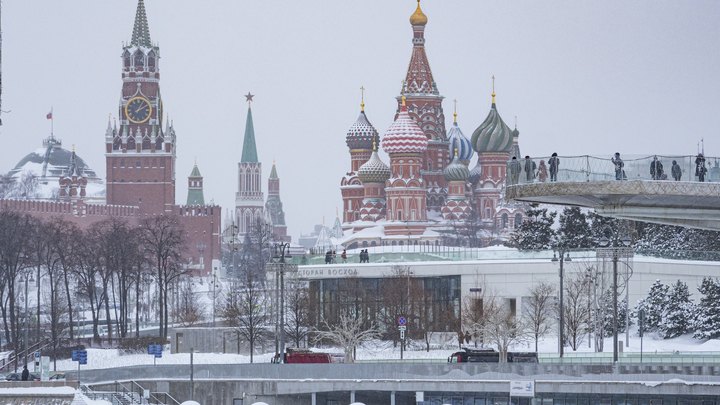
(140,155)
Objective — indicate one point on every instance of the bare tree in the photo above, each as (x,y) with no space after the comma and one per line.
(248,311)
(87,266)
(503,329)
(189,310)
(539,309)
(395,292)
(473,314)
(349,332)
(576,309)
(164,239)
(297,319)
(26,187)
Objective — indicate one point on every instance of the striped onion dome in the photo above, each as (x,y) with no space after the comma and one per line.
(492,135)
(362,134)
(456,170)
(374,170)
(404,135)
(475,173)
(459,142)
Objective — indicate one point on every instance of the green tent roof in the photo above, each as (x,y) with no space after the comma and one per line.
(249,152)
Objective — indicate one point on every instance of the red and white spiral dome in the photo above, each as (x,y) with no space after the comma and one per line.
(404,136)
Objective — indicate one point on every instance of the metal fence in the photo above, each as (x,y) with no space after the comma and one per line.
(590,168)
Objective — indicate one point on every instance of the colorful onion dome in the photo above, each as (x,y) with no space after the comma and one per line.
(374,170)
(418,17)
(475,173)
(404,135)
(492,135)
(459,142)
(456,170)
(362,134)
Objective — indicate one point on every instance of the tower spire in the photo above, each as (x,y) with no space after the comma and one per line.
(249,152)
(362,103)
(141,31)
(493,93)
(455,111)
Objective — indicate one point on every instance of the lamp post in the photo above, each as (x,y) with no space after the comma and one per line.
(277,265)
(614,249)
(28,277)
(564,257)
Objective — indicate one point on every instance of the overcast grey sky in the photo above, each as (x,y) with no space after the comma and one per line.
(639,77)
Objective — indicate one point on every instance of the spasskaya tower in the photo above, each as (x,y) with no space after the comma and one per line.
(140,155)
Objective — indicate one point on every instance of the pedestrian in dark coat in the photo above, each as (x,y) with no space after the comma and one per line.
(554,164)
(514,171)
(619,164)
(25,374)
(700,168)
(530,168)
(656,169)
(676,171)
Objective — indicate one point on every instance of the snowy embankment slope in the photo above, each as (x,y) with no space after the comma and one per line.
(380,350)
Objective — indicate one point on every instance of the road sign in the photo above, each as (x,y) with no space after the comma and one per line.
(82,356)
(402,327)
(155,350)
(74,355)
(402,321)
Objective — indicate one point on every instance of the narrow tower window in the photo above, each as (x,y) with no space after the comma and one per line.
(139,59)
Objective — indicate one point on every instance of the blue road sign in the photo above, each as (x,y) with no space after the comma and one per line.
(158,351)
(82,356)
(151,349)
(74,355)
(402,321)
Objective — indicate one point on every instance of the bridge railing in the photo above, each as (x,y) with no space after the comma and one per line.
(592,168)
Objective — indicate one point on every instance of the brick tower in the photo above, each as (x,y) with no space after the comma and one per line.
(195,188)
(274,209)
(140,156)
(360,139)
(249,198)
(424,105)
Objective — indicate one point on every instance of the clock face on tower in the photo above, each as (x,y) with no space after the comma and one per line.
(138,110)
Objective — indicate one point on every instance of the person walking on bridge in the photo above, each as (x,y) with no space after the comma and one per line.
(676,171)
(700,168)
(542,173)
(530,168)
(514,170)
(554,164)
(619,164)
(656,169)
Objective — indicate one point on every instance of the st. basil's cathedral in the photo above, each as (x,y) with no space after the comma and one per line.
(428,185)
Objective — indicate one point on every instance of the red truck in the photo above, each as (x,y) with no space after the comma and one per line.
(296,356)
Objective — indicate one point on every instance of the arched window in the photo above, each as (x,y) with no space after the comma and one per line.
(158,143)
(518,220)
(117,143)
(373,244)
(504,220)
(400,216)
(365,244)
(248,221)
(126,59)
(131,143)
(248,182)
(139,59)
(146,143)
(151,59)
(429,165)
(487,213)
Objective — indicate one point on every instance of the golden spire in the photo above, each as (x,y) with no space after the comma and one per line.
(418,17)
(493,93)
(455,152)
(455,112)
(362,103)
(374,146)
(73,148)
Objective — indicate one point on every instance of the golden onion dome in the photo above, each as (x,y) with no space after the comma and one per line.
(418,18)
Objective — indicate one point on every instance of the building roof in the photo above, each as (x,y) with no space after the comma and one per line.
(374,170)
(273,172)
(404,135)
(249,152)
(195,173)
(141,30)
(361,134)
(458,141)
(493,135)
(456,171)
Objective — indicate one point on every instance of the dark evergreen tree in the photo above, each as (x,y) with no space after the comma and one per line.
(707,325)
(536,233)
(654,305)
(598,225)
(606,303)
(679,313)
(574,232)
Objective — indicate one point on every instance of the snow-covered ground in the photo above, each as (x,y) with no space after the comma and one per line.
(380,350)
(46,391)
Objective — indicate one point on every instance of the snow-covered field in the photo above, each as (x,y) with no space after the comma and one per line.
(379,351)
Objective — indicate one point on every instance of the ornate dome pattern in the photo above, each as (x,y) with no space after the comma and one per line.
(362,134)
(460,142)
(492,135)
(475,173)
(456,171)
(374,170)
(404,135)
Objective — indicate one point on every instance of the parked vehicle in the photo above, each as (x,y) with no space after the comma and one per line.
(18,377)
(490,356)
(295,356)
(58,376)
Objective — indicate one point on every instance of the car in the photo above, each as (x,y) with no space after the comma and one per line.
(58,376)
(18,377)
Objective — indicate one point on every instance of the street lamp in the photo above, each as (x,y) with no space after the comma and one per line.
(564,257)
(28,278)
(614,249)
(277,265)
